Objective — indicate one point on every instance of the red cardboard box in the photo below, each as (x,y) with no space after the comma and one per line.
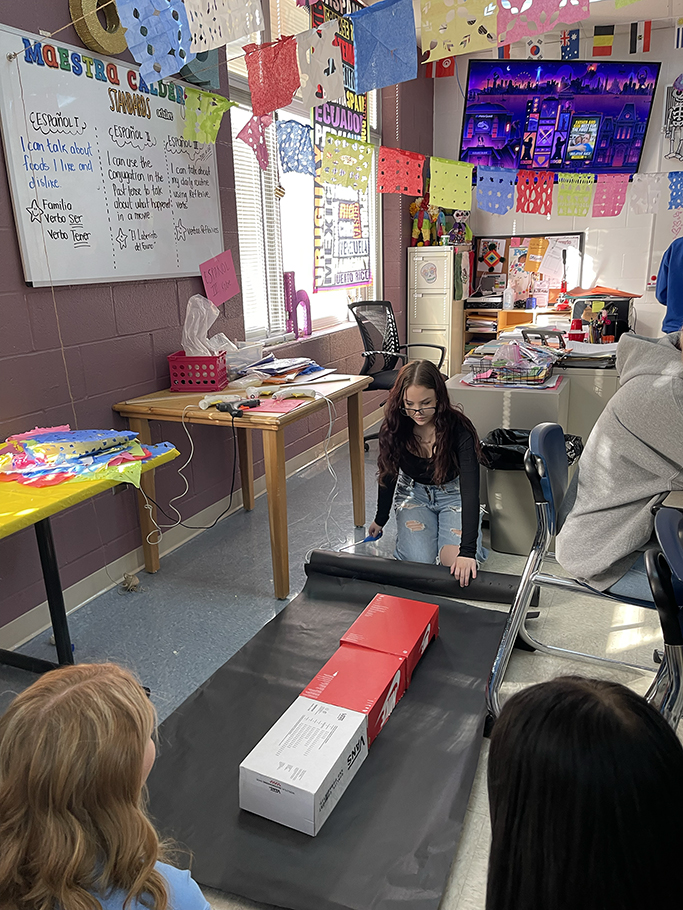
(363,680)
(395,625)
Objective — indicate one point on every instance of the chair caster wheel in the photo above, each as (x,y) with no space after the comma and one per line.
(366,446)
(488,725)
(658,656)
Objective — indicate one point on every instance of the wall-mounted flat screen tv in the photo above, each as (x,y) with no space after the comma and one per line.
(560,115)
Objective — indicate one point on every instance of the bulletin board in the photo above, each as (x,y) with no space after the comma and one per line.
(104,186)
(521,259)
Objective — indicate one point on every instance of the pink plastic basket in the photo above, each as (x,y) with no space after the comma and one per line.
(190,373)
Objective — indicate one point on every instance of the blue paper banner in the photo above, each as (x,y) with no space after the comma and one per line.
(495,189)
(158,36)
(295,147)
(385,44)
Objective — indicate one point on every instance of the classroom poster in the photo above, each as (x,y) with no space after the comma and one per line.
(341,214)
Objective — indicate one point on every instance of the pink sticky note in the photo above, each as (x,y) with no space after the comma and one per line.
(515,241)
(220,280)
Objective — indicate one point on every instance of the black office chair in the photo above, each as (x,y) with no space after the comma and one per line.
(546,467)
(382,348)
(665,574)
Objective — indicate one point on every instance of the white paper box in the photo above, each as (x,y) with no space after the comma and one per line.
(297,773)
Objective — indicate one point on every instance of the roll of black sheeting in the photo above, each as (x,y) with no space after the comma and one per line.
(436,581)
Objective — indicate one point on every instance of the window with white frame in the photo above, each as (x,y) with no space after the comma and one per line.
(276,234)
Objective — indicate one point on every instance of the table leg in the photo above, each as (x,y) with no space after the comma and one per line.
(276,490)
(357,456)
(246,453)
(150,550)
(53,588)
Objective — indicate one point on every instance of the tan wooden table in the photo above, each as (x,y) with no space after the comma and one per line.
(170,406)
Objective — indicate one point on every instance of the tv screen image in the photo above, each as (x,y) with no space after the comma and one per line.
(560,115)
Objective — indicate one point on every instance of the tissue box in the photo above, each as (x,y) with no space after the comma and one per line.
(197,373)
(371,682)
(395,625)
(298,772)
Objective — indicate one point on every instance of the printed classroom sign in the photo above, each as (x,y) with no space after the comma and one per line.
(104,187)
(342,214)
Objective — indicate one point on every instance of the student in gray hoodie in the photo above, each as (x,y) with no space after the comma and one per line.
(633,458)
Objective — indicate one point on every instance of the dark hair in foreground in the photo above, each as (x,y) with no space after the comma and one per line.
(586,797)
(396,434)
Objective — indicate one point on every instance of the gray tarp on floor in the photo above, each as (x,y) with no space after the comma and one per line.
(391,840)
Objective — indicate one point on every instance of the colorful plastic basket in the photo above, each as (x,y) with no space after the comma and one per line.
(200,373)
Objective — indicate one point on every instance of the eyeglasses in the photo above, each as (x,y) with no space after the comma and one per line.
(411,412)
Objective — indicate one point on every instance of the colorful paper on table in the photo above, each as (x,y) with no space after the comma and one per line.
(520,19)
(320,64)
(645,192)
(214,23)
(220,280)
(295,147)
(399,171)
(603,39)
(610,195)
(457,27)
(203,115)
(273,74)
(254,134)
(535,192)
(279,405)
(440,68)
(450,184)
(347,162)
(574,194)
(535,252)
(385,44)
(495,189)
(676,189)
(158,35)
(569,44)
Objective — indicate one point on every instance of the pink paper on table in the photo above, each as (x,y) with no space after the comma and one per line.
(220,280)
(279,405)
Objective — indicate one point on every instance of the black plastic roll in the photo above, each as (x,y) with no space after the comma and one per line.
(436,581)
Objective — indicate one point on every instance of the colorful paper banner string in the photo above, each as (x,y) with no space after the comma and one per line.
(399,171)
(519,19)
(347,162)
(645,192)
(203,71)
(450,184)
(158,35)
(676,189)
(273,74)
(535,192)
(610,195)
(203,115)
(320,64)
(385,44)
(295,147)
(254,134)
(495,189)
(457,27)
(213,23)
(574,194)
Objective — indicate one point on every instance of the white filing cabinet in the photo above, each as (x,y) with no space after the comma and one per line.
(434,317)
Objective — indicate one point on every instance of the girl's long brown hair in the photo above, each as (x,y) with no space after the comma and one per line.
(396,434)
(72,817)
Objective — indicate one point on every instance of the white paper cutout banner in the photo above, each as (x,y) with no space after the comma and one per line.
(214,23)
(320,65)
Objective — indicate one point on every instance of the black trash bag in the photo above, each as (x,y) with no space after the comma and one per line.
(505,449)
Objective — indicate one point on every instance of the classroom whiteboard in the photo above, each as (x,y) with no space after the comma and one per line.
(104,187)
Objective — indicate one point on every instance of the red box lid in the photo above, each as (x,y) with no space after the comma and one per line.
(395,625)
(361,679)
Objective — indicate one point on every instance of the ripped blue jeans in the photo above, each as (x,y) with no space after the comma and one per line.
(428,518)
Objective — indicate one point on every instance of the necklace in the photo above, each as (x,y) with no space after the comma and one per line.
(425,444)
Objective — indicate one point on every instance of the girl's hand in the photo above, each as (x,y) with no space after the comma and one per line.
(463,569)
(374,530)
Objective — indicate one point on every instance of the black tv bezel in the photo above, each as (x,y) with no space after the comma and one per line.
(559,170)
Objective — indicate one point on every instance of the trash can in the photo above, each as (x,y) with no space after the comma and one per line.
(512,513)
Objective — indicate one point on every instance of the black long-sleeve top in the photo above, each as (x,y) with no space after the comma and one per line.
(421,470)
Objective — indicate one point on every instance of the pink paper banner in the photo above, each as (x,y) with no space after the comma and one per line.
(610,195)
(220,280)
(518,19)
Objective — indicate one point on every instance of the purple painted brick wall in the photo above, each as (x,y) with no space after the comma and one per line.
(116,339)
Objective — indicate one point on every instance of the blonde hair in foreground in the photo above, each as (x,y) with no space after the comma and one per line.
(72,817)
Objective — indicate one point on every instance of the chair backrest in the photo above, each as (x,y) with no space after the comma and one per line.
(663,594)
(546,465)
(379,332)
(669,531)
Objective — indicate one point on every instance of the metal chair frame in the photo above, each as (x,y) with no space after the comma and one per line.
(548,479)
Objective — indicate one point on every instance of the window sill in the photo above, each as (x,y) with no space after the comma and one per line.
(317,333)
